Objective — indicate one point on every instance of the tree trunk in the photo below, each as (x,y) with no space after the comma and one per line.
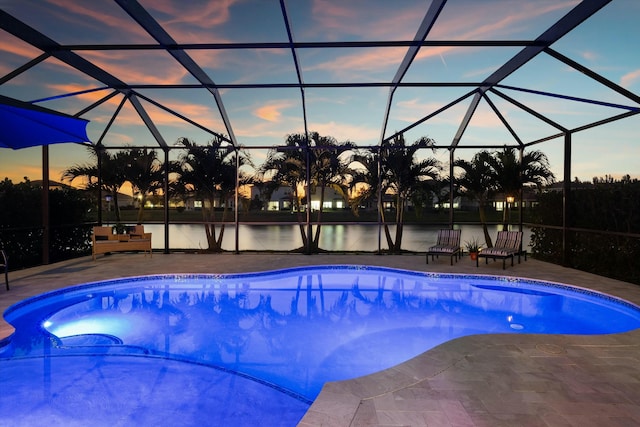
(225,211)
(210,228)
(143,200)
(483,221)
(399,224)
(116,206)
(316,239)
(387,233)
(301,221)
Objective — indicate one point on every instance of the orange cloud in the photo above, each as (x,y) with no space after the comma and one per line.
(21,49)
(630,79)
(151,67)
(202,15)
(89,13)
(272,112)
(366,60)
(76,87)
(203,114)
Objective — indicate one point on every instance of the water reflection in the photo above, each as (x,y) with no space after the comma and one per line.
(300,329)
(350,237)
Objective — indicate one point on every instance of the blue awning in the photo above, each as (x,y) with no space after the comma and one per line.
(25,125)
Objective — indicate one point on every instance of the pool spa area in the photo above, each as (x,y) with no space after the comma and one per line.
(192,349)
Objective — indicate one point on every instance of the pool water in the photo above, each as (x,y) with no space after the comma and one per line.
(256,348)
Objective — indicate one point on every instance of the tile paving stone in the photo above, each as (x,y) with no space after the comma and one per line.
(511,420)
(402,418)
(556,420)
(483,380)
(436,418)
(366,415)
(456,413)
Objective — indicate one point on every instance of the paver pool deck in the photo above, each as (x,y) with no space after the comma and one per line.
(481,380)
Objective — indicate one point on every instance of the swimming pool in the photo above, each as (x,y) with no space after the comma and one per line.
(256,348)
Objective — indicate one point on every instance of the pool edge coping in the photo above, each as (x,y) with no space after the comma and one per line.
(339,401)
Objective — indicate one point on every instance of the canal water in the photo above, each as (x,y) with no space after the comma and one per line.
(347,237)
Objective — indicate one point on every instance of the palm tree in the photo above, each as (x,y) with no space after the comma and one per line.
(144,172)
(393,168)
(365,180)
(209,172)
(327,168)
(111,174)
(512,174)
(404,175)
(286,166)
(501,171)
(477,182)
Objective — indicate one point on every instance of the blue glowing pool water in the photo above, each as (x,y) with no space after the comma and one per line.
(256,349)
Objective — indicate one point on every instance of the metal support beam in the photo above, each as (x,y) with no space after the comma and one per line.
(597,77)
(425,118)
(99,151)
(566,202)
(165,183)
(451,186)
(97,103)
(46,229)
(186,119)
(24,68)
(307,190)
(296,63)
(502,119)
(467,118)
(155,30)
(307,147)
(521,191)
(236,203)
(427,23)
(147,121)
(49,46)
(570,98)
(303,45)
(563,26)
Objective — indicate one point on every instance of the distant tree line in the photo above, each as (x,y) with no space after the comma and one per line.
(606,217)
(21,235)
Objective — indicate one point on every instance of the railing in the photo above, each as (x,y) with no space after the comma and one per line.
(607,253)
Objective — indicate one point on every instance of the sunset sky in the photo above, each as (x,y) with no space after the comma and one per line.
(607,44)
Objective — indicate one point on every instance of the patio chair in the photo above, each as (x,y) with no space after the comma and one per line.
(448,243)
(508,245)
(4,266)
